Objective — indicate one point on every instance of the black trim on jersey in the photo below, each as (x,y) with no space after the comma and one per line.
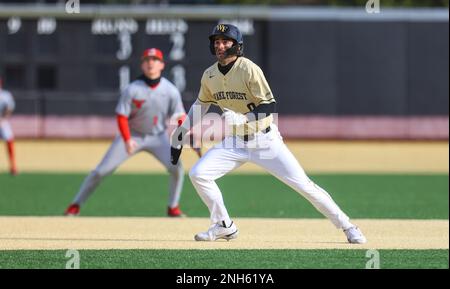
(209,101)
(148,81)
(267,101)
(262,111)
(224,69)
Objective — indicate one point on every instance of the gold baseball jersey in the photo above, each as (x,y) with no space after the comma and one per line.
(241,90)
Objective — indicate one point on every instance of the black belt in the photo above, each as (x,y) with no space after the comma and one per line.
(245,137)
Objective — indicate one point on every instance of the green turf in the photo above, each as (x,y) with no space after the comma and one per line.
(229,259)
(360,196)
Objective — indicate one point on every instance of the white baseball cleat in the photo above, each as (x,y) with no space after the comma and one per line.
(218,231)
(355,236)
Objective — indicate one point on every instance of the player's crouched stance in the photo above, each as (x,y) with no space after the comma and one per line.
(142,111)
(239,88)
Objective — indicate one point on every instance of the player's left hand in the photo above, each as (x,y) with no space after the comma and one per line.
(131,146)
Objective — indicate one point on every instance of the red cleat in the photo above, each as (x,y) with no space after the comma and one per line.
(72,210)
(175,212)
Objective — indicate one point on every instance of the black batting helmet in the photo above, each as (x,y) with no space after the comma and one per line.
(231,32)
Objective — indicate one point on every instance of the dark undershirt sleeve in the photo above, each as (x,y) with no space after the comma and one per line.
(261,111)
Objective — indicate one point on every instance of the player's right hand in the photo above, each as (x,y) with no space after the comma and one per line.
(131,146)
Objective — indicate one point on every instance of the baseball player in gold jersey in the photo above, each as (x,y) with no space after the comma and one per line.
(239,88)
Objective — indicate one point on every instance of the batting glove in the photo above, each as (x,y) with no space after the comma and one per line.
(176,144)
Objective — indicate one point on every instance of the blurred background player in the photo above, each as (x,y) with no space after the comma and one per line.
(142,111)
(7,106)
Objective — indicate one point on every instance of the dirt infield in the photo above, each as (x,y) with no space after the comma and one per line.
(49,233)
(314,156)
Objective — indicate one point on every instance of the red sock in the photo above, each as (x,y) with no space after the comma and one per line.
(12,159)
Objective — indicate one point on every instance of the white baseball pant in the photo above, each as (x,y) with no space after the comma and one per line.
(268,151)
(6,131)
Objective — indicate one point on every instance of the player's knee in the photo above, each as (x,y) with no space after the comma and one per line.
(199,173)
(195,174)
